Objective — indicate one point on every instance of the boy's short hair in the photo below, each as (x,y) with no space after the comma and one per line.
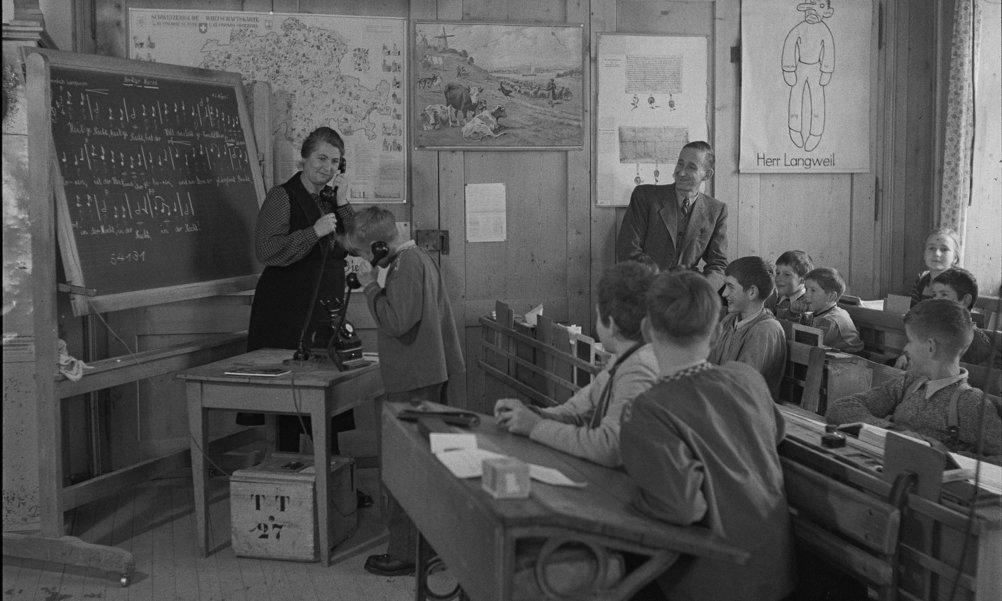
(683,307)
(830,280)
(622,295)
(753,271)
(797,259)
(946,322)
(962,281)
(372,224)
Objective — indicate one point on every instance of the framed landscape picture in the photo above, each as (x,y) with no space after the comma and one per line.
(497,86)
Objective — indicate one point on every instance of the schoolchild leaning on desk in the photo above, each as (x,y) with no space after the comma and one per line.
(788,301)
(587,424)
(701,445)
(824,286)
(932,399)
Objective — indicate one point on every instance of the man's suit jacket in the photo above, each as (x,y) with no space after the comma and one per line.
(649,229)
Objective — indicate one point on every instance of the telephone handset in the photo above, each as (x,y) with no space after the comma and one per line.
(380,250)
(342,165)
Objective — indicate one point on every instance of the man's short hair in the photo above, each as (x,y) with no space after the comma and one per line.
(705,148)
(962,281)
(622,294)
(753,271)
(683,307)
(797,259)
(372,224)
(830,280)
(946,322)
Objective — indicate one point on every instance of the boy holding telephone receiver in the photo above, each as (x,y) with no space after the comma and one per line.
(418,342)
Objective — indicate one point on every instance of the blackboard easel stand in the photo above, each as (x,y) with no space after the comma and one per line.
(50,543)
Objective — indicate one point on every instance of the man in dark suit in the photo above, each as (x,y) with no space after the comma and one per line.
(677,225)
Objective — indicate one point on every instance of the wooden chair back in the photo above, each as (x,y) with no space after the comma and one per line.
(986,312)
(540,363)
(882,333)
(802,380)
(850,530)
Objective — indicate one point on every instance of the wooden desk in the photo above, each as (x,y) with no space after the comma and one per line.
(477,536)
(316,392)
(933,532)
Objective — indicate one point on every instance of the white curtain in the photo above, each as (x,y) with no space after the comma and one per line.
(959,135)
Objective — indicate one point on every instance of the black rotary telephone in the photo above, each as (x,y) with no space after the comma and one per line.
(344,346)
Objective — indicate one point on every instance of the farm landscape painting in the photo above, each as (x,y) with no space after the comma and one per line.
(499,87)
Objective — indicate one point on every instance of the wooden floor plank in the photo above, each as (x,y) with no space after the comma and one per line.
(135,520)
(191,581)
(163,575)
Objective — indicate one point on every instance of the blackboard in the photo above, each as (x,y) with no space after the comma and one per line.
(156,180)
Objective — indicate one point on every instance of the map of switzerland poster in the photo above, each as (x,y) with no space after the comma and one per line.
(324,70)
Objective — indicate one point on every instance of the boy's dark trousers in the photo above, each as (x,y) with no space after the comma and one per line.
(403,533)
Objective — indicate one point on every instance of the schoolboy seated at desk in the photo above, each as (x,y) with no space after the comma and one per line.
(932,399)
(701,446)
(587,424)
(824,286)
(787,302)
(749,333)
(960,286)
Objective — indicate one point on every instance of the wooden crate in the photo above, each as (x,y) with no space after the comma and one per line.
(273,507)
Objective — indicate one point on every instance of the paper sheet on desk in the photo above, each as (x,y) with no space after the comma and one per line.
(469,463)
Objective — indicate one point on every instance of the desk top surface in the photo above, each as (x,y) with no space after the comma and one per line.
(300,375)
(602,507)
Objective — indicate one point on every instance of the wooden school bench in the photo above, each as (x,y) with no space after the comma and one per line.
(903,545)
(902,537)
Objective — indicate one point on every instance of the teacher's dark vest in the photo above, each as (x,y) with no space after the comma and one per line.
(282,296)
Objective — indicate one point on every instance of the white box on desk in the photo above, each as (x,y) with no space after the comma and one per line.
(273,507)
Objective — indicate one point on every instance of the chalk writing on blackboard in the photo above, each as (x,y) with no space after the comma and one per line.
(157,178)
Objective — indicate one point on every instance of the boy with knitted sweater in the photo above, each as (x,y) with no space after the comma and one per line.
(933,399)
(701,444)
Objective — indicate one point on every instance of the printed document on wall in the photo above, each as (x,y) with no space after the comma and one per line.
(805,86)
(652,100)
(486,207)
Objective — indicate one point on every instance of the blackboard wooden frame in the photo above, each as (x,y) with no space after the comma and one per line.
(83,300)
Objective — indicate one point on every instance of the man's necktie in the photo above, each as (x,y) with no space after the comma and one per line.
(686,205)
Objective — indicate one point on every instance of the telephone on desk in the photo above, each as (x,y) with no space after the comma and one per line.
(334,340)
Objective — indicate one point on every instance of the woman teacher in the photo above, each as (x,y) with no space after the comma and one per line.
(295,239)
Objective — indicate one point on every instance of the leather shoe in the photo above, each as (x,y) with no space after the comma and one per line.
(386,565)
(364,500)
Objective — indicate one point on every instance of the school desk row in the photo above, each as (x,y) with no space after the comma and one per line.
(897,533)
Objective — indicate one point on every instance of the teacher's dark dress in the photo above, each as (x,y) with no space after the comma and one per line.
(283,293)
(282,296)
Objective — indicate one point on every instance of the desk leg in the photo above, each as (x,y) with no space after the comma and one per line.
(322,460)
(199,443)
(424,554)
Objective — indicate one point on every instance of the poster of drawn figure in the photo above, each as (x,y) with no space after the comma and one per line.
(805,86)
(652,100)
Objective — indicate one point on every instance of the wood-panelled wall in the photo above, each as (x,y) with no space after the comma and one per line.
(870,226)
